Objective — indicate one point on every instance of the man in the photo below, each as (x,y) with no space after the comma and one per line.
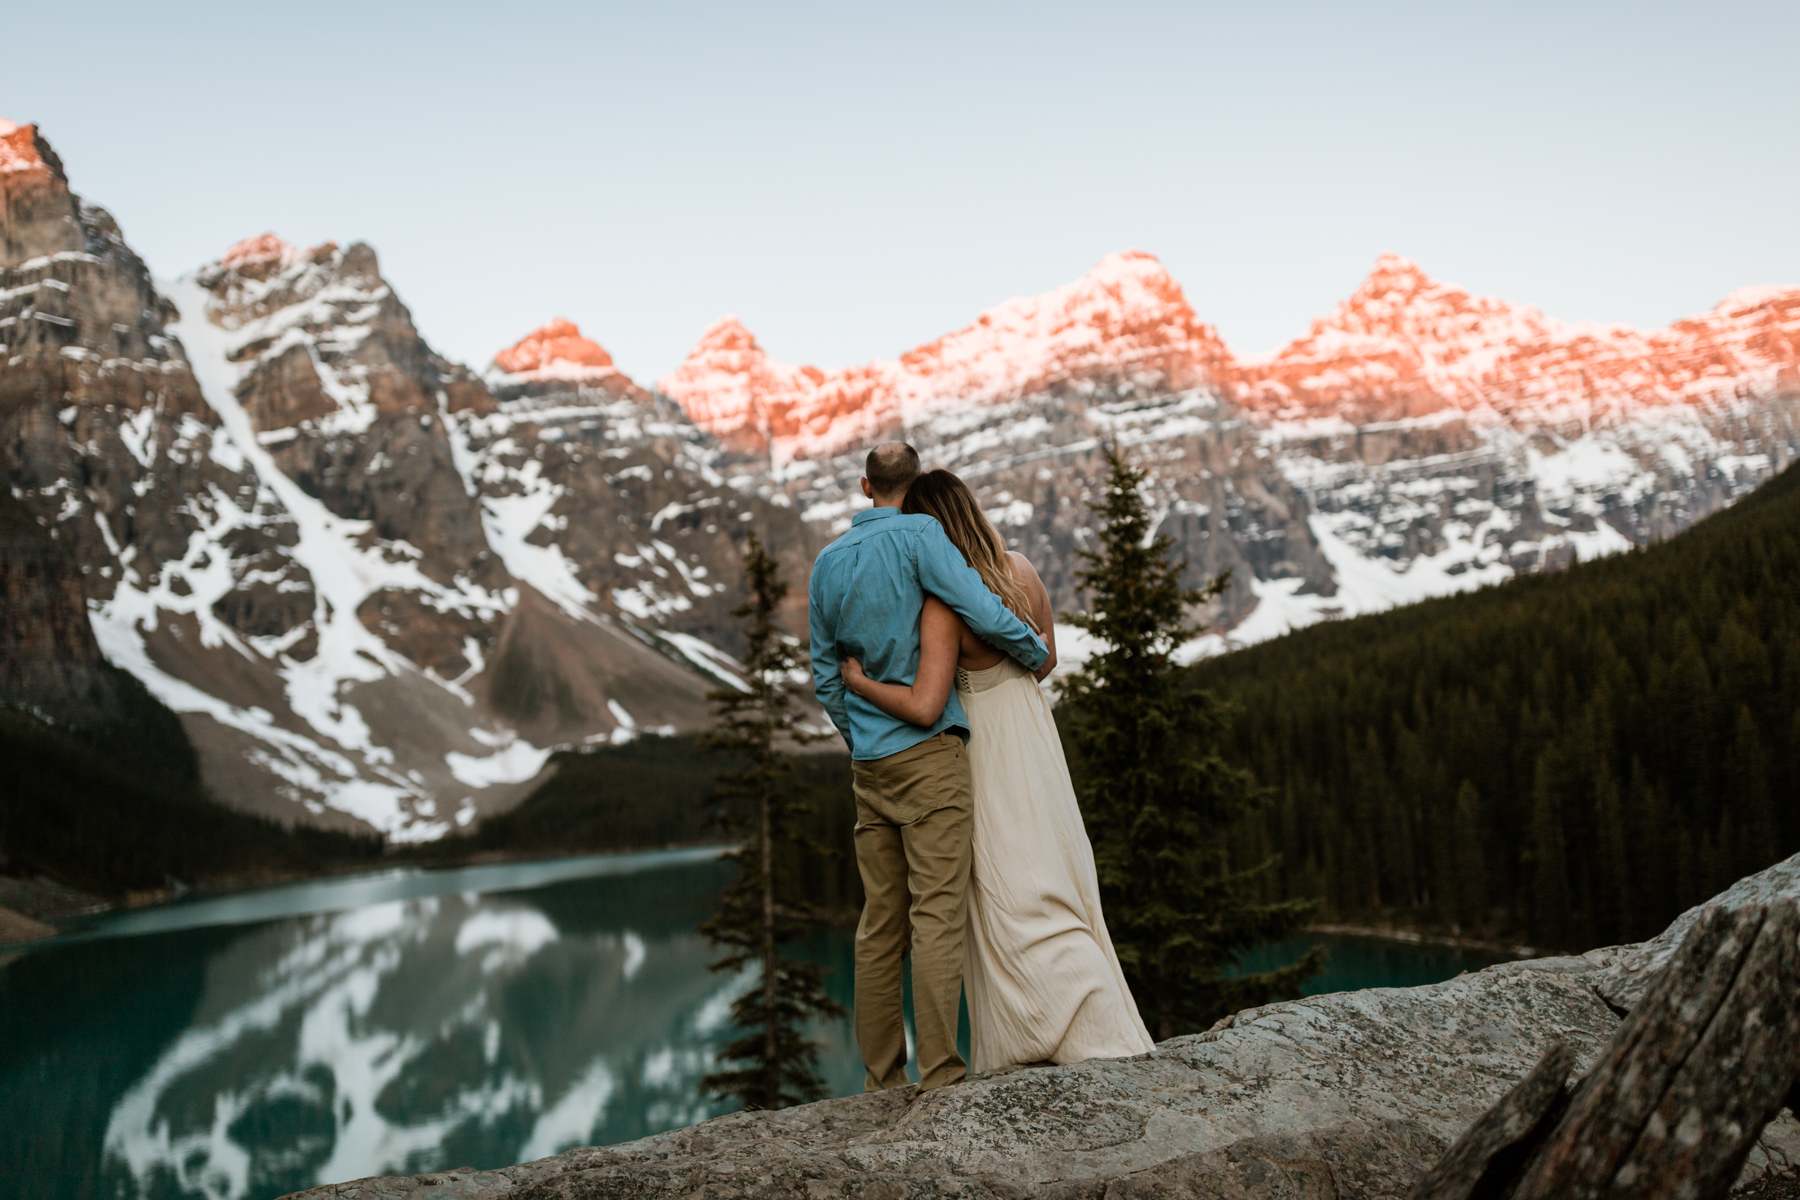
(911,782)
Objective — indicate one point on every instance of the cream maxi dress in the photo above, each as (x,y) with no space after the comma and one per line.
(1044,983)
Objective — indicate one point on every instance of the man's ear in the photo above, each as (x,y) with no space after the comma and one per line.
(867,490)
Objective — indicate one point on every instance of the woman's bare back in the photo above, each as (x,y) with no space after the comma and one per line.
(973,654)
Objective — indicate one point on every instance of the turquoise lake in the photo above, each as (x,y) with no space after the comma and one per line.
(240,1047)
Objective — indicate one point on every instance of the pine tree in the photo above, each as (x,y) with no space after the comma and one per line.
(1160,798)
(1789,832)
(1549,859)
(1747,790)
(1368,807)
(772,1063)
(1653,855)
(1664,685)
(1468,857)
(1611,890)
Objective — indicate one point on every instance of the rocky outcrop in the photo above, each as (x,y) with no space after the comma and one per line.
(37,214)
(1348,1095)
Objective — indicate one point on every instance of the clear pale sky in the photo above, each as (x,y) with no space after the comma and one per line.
(853,179)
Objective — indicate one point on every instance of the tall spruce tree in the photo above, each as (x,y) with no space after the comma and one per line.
(1159,797)
(1549,861)
(1468,859)
(772,1063)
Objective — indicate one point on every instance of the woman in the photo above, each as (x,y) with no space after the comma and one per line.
(1044,984)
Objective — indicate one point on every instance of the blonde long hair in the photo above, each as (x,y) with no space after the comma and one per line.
(940,494)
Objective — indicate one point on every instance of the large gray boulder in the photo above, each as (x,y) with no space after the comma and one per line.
(1353,1094)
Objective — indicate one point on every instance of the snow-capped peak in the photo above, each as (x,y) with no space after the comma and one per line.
(1758,296)
(258,250)
(1393,272)
(18,148)
(727,332)
(1441,321)
(558,353)
(1126,318)
(556,346)
(727,385)
(1124,322)
(1404,344)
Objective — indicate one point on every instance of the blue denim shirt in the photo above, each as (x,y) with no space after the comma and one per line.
(864,599)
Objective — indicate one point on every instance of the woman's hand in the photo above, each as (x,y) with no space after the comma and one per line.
(922,701)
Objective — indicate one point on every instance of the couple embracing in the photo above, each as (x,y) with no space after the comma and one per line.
(929,640)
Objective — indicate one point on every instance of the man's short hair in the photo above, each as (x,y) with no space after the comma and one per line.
(891,467)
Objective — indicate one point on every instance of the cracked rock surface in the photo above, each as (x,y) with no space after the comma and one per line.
(1352,1094)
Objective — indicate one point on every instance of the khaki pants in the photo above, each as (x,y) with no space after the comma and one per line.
(913,824)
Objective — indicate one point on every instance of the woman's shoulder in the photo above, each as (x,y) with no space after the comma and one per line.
(1023,568)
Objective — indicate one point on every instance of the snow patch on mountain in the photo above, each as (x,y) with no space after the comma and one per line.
(512,521)
(516,760)
(344,574)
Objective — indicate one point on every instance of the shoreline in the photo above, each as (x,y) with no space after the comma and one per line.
(1417,937)
(37,926)
(21,926)
(17,929)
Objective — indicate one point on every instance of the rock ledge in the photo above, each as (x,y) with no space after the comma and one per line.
(1352,1094)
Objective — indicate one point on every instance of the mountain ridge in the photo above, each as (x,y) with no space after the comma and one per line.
(382,588)
(1401,345)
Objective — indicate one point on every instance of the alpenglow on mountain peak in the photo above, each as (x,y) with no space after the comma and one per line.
(1402,344)
(1124,320)
(258,248)
(556,345)
(19,148)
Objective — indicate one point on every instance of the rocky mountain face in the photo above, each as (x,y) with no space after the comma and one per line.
(1123,327)
(1418,441)
(609,501)
(1019,402)
(327,547)
(107,444)
(1355,1094)
(50,662)
(381,587)
(1452,440)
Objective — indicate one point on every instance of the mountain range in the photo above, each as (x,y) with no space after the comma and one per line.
(380,587)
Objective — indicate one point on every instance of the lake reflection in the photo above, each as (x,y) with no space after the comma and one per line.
(406,1034)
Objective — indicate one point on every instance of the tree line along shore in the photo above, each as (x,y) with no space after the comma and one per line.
(1561,760)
